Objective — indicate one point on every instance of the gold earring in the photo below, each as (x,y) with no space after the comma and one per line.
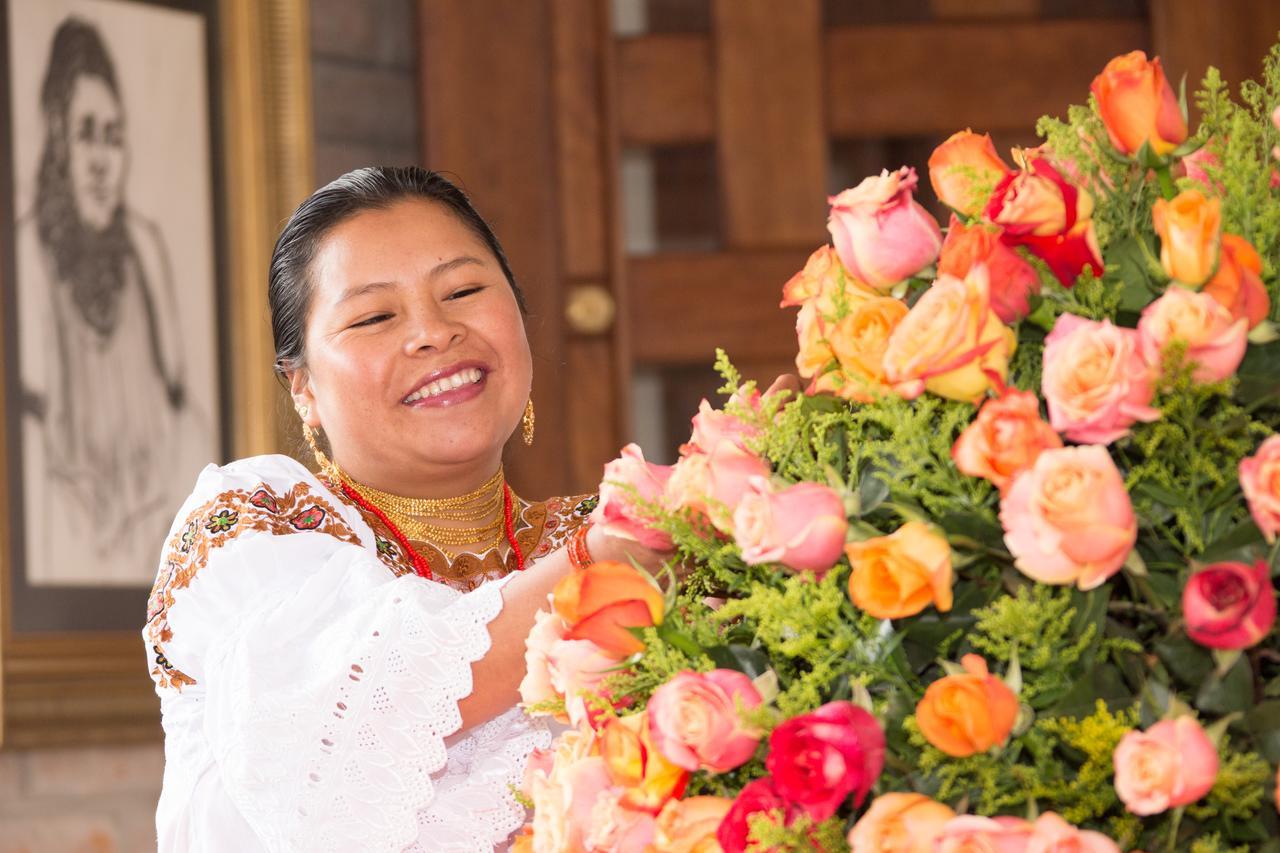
(324,463)
(527,423)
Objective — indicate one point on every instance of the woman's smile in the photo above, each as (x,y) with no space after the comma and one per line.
(449,386)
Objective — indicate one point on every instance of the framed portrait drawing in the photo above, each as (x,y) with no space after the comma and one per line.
(129,129)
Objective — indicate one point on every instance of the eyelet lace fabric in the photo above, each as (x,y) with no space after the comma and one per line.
(324,714)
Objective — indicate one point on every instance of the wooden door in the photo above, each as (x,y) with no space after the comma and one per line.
(743,115)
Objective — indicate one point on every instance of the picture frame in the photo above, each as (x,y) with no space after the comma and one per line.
(73,668)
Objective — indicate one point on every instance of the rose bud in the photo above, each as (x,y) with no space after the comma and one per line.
(1005,439)
(1068,518)
(881,235)
(601,602)
(900,822)
(821,279)
(629,480)
(901,574)
(1190,229)
(964,170)
(1214,341)
(1237,284)
(1260,482)
(950,343)
(818,759)
(1011,280)
(1039,208)
(1095,380)
(712,425)
(711,484)
(1050,833)
(1138,106)
(1169,765)
(968,713)
(1196,165)
(802,526)
(696,720)
(690,825)
(1229,605)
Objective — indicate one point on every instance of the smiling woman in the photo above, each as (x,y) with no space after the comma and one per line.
(338,656)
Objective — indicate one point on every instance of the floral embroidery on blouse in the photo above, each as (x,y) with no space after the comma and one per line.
(216,523)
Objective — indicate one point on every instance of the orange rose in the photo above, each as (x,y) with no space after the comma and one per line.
(822,278)
(1004,439)
(1138,106)
(1190,229)
(950,343)
(858,343)
(649,780)
(1012,280)
(1237,285)
(601,602)
(967,714)
(964,170)
(899,575)
(900,823)
(689,826)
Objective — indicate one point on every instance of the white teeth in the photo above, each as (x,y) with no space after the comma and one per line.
(448,383)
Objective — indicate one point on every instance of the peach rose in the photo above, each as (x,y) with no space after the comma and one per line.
(536,687)
(968,713)
(628,481)
(950,343)
(1237,284)
(899,823)
(900,574)
(1190,229)
(615,828)
(1068,519)
(824,281)
(881,235)
(801,527)
(576,669)
(975,834)
(1005,439)
(1215,341)
(565,796)
(1012,280)
(647,779)
(696,721)
(711,484)
(601,602)
(689,826)
(1169,765)
(858,343)
(1138,106)
(1260,482)
(815,356)
(1095,380)
(964,170)
(1051,834)
(712,425)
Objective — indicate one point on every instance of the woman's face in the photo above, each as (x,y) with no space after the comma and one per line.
(416,356)
(95,141)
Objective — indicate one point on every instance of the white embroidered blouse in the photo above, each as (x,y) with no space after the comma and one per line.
(309,680)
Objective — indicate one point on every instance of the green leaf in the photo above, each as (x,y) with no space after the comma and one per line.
(1240,543)
(1263,723)
(1232,692)
(1102,682)
(1190,663)
(1259,374)
(751,662)
(873,488)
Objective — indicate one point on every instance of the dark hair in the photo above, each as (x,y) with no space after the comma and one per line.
(289,287)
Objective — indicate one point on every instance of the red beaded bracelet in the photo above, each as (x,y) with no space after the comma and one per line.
(579,555)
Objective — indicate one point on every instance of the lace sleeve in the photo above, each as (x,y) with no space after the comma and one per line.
(329,693)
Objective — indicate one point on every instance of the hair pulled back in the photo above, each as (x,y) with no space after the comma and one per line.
(289,286)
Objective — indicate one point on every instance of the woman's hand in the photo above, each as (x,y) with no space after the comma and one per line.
(606,547)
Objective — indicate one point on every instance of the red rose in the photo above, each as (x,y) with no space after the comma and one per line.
(755,797)
(1229,605)
(820,758)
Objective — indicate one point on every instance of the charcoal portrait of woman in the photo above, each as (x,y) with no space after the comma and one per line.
(106,312)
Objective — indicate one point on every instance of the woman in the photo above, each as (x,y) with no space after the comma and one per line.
(337,656)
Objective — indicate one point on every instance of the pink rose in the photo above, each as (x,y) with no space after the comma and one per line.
(1215,341)
(565,798)
(696,722)
(801,526)
(576,668)
(1229,605)
(1052,834)
(1095,380)
(1260,482)
(628,480)
(536,687)
(711,426)
(818,759)
(614,828)
(881,235)
(972,833)
(901,822)
(712,483)
(756,797)
(1169,765)
(1068,519)
(1198,162)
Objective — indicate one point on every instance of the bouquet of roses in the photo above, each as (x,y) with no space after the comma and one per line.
(1002,577)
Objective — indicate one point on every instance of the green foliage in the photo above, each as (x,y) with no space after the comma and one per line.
(1238,790)
(1089,793)
(803,835)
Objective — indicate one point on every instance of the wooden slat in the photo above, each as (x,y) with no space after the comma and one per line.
(682,306)
(769,105)
(664,89)
(1190,35)
(900,80)
(486,120)
(935,79)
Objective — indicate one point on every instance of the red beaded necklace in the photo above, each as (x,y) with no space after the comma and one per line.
(420,564)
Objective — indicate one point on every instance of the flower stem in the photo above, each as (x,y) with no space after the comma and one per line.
(1167,187)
